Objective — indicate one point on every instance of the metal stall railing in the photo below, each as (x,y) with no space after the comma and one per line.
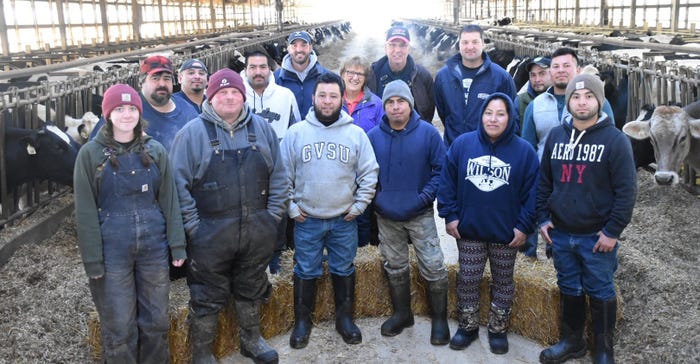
(54,100)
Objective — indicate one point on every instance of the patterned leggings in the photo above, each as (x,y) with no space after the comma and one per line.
(472,261)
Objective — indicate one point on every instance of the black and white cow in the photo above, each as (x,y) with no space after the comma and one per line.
(675,137)
(45,154)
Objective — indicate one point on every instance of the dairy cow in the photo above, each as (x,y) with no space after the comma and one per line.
(675,137)
(45,153)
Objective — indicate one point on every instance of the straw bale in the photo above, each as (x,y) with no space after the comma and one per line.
(535,307)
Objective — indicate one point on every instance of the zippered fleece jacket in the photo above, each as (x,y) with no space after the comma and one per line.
(330,168)
(588,180)
(490,186)
(86,176)
(457,117)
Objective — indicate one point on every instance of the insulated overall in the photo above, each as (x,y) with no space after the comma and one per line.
(132,297)
(236,236)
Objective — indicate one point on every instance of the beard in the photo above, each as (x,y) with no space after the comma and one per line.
(160,100)
(327,119)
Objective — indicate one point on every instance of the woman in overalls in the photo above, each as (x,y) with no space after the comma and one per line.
(129,222)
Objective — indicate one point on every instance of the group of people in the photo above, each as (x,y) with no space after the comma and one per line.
(222,176)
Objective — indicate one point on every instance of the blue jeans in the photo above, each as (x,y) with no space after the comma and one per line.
(530,246)
(337,236)
(579,270)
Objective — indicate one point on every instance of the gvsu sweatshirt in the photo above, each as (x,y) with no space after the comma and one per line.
(409,167)
(330,168)
(489,186)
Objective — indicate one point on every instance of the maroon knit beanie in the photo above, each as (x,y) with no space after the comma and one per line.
(120,94)
(223,78)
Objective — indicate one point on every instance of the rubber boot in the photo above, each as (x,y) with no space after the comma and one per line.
(498,329)
(304,300)
(571,344)
(344,293)
(468,330)
(252,344)
(202,331)
(400,290)
(603,316)
(437,295)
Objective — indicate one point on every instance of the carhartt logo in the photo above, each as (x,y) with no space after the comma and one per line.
(224,82)
(580,85)
(126,97)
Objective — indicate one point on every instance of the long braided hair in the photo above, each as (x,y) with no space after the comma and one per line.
(139,136)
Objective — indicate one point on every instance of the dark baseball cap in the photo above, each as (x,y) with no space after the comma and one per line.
(543,62)
(306,37)
(193,63)
(155,64)
(398,32)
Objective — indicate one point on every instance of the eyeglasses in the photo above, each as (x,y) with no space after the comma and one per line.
(350,74)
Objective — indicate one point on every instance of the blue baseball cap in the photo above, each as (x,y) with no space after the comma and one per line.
(193,63)
(543,62)
(306,37)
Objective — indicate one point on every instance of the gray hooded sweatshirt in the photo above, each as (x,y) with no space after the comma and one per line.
(330,168)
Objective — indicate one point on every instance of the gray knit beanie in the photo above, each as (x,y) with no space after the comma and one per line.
(590,82)
(397,88)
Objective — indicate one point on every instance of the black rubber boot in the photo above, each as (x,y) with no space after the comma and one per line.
(603,315)
(400,290)
(571,344)
(202,331)
(252,344)
(437,295)
(498,329)
(304,300)
(468,330)
(344,293)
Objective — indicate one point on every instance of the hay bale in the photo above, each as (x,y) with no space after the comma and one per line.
(535,307)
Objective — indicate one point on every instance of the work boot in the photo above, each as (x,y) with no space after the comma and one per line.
(571,344)
(304,298)
(437,295)
(603,316)
(468,330)
(344,293)
(400,290)
(498,329)
(252,344)
(202,331)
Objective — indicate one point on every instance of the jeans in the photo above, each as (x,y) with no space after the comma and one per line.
(579,270)
(530,246)
(132,301)
(337,236)
(421,230)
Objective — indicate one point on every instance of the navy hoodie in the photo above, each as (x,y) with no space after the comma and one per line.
(489,186)
(409,167)
(588,182)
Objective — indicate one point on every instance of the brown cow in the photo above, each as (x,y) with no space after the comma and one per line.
(675,137)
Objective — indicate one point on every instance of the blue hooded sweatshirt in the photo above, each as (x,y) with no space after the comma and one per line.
(490,186)
(409,167)
(449,94)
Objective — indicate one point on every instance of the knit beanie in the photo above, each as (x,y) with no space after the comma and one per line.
(397,88)
(223,78)
(117,95)
(590,82)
